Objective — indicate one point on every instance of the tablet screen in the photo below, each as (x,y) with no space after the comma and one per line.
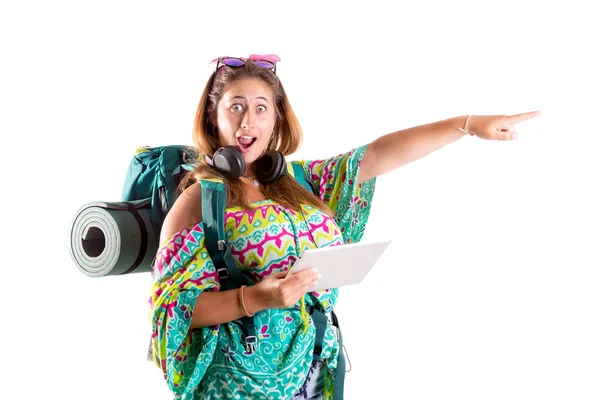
(342,265)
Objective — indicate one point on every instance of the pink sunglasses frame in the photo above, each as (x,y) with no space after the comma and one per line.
(271,58)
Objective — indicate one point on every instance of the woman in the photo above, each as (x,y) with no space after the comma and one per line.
(196,340)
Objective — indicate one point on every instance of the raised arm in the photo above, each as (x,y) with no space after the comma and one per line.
(396,149)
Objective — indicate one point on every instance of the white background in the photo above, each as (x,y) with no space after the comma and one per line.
(490,288)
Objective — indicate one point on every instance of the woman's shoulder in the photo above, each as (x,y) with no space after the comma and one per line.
(186,212)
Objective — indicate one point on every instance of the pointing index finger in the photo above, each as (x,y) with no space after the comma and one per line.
(523,117)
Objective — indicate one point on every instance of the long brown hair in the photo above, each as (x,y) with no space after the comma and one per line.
(287,138)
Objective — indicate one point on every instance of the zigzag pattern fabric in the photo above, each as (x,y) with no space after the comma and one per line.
(211,362)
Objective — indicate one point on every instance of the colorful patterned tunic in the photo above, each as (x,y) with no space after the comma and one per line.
(211,362)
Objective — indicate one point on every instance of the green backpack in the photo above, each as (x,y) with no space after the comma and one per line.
(154,174)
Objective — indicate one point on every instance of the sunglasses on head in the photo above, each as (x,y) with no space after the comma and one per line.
(267,61)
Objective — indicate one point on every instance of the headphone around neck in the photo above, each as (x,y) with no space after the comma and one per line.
(229,162)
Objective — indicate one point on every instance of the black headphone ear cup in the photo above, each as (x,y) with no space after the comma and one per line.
(270,167)
(229,161)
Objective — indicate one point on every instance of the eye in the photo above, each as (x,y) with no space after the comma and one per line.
(237,107)
(261,109)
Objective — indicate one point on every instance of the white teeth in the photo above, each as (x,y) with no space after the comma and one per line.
(247,137)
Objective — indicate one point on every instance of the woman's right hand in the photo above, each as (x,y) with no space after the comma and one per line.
(277,291)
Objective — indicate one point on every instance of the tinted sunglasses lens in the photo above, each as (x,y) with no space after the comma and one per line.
(264,64)
(232,62)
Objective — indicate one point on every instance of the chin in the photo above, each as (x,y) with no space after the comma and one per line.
(249,158)
(252,155)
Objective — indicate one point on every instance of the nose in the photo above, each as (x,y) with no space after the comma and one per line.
(247,121)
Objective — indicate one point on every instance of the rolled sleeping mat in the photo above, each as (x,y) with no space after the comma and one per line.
(113,238)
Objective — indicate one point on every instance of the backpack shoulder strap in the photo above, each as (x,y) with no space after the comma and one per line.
(214,196)
(213,211)
(296,171)
(319,318)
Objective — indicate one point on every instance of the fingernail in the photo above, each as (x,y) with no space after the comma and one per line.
(319,276)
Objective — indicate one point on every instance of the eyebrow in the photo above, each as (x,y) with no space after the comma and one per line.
(241,97)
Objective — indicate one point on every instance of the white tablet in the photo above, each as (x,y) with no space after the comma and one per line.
(342,265)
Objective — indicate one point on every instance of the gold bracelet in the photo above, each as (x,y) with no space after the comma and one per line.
(242,302)
(466,128)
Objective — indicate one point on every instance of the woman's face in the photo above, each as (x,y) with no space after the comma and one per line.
(246,117)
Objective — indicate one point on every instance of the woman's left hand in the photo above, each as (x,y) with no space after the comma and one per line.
(497,127)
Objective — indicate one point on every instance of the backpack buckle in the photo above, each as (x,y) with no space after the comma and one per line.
(221,245)
(251,344)
(223,273)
